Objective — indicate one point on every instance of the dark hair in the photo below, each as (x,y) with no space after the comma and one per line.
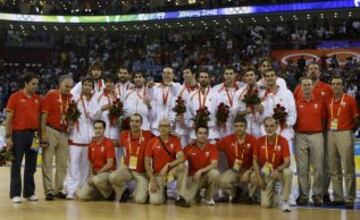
(137,114)
(110,78)
(270,70)
(190,68)
(28,76)
(266,59)
(228,67)
(95,66)
(250,68)
(238,118)
(203,70)
(87,79)
(139,73)
(202,126)
(123,67)
(101,122)
(337,76)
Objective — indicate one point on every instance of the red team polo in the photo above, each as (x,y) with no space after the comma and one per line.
(281,151)
(321,91)
(138,147)
(245,150)
(200,158)
(55,104)
(99,153)
(158,154)
(310,115)
(26,111)
(349,110)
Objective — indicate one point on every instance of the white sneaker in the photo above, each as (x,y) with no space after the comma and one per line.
(208,202)
(70,197)
(285,206)
(32,198)
(16,199)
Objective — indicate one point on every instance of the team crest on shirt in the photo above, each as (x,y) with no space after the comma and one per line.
(248,146)
(301,106)
(36,101)
(343,104)
(207,153)
(263,146)
(22,100)
(316,106)
(92,149)
(277,148)
(322,93)
(172,146)
(102,149)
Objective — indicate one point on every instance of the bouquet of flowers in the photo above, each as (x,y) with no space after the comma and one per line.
(202,117)
(222,114)
(116,111)
(252,98)
(5,156)
(180,107)
(72,113)
(280,115)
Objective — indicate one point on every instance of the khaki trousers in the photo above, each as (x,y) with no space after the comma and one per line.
(309,150)
(229,179)
(209,181)
(180,174)
(58,147)
(100,189)
(341,156)
(267,195)
(122,175)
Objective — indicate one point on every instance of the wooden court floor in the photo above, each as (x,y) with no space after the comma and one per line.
(71,210)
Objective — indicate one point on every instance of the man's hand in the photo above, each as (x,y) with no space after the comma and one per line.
(164,170)
(105,107)
(275,175)
(197,175)
(9,143)
(154,186)
(180,119)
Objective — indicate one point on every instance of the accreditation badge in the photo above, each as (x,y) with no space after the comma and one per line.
(334,124)
(266,169)
(35,142)
(133,160)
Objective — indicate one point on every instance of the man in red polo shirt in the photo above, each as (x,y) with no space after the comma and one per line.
(134,143)
(271,161)
(309,143)
(54,137)
(324,93)
(22,124)
(102,160)
(203,166)
(164,161)
(238,148)
(343,117)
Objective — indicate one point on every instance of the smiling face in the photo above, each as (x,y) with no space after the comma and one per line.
(202,135)
(32,85)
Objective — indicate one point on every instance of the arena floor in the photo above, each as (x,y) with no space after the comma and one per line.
(62,209)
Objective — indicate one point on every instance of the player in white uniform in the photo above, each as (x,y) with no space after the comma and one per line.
(79,138)
(95,72)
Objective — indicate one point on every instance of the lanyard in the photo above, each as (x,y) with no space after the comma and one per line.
(165,96)
(84,107)
(332,107)
(63,106)
(139,93)
(139,143)
(237,149)
(230,97)
(203,100)
(266,149)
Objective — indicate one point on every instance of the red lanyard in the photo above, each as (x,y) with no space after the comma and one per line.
(230,98)
(165,96)
(84,107)
(139,143)
(138,93)
(203,100)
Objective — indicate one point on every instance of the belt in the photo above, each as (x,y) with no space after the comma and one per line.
(77,144)
(26,130)
(56,129)
(309,132)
